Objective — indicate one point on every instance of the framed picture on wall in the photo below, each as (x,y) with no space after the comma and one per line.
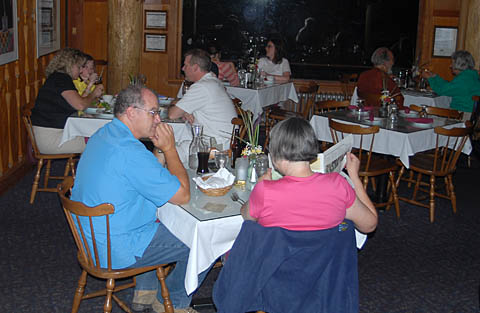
(155,43)
(48,26)
(444,41)
(156,20)
(9,32)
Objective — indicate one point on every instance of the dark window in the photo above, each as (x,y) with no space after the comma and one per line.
(322,37)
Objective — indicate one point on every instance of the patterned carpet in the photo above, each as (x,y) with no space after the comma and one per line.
(408,264)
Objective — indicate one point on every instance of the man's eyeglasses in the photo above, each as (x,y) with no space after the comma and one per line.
(151,112)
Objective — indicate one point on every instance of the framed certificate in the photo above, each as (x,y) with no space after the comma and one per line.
(444,41)
(156,20)
(155,43)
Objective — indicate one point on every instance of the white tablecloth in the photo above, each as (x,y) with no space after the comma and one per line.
(389,142)
(415,97)
(207,240)
(86,127)
(255,100)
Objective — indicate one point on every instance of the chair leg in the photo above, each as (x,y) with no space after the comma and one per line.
(394,193)
(107,307)
(82,281)
(67,168)
(167,303)
(400,176)
(453,197)
(432,198)
(35,181)
(417,185)
(410,177)
(47,173)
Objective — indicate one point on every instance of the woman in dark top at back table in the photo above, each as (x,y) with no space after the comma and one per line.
(57,99)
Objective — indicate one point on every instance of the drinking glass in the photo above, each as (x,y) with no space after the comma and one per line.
(261,165)
(203,154)
(221,158)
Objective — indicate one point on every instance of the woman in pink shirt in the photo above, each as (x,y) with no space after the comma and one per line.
(303,200)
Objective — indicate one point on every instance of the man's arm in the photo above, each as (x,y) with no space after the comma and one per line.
(175,112)
(245,210)
(165,141)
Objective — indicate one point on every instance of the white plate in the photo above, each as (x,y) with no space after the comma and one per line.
(105,116)
(268,82)
(91,110)
(409,114)
(422,125)
(376,120)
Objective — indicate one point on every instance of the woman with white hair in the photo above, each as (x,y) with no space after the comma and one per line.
(462,87)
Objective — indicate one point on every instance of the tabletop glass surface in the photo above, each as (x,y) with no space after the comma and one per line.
(205,208)
(402,124)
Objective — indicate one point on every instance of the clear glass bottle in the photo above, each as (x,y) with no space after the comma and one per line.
(195,146)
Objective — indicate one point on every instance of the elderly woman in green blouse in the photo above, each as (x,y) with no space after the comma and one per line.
(462,87)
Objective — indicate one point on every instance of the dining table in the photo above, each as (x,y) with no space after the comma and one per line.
(255,97)
(417,97)
(87,124)
(400,139)
(208,231)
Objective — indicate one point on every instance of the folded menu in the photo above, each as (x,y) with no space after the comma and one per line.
(421,120)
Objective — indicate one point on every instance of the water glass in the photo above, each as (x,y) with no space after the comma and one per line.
(221,158)
(261,165)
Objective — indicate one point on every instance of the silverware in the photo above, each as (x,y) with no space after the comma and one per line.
(236,198)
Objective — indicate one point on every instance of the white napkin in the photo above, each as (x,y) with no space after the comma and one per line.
(220,179)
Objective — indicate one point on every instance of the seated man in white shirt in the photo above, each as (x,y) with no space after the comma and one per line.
(206,102)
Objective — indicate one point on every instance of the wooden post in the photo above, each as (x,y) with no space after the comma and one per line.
(125,42)
(472,36)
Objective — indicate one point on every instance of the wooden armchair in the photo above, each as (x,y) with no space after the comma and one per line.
(330,105)
(370,165)
(441,163)
(89,260)
(69,167)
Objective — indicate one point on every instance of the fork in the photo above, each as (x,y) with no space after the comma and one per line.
(236,198)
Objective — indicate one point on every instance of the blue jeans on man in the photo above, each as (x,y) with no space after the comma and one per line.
(165,248)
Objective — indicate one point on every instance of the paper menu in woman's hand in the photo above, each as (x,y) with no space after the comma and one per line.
(335,158)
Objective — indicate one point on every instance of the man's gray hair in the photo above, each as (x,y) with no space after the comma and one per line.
(293,140)
(462,60)
(130,97)
(201,58)
(380,56)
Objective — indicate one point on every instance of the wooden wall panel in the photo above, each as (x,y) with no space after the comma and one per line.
(19,83)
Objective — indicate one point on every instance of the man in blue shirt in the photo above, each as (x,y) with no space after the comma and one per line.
(117,168)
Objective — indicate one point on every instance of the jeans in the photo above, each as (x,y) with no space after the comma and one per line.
(166,248)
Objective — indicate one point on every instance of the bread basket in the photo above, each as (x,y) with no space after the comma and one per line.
(215,192)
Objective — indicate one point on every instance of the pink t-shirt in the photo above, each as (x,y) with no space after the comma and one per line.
(316,202)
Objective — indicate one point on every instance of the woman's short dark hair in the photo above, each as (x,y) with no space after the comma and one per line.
(462,60)
(279,49)
(293,140)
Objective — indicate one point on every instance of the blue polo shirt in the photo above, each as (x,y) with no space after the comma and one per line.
(116,168)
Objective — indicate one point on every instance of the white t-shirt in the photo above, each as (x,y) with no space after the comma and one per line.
(264,64)
(211,106)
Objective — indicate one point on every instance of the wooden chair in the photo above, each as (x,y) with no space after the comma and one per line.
(307,96)
(349,81)
(330,105)
(442,163)
(370,165)
(442,112)
(69,167)
(89,260)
